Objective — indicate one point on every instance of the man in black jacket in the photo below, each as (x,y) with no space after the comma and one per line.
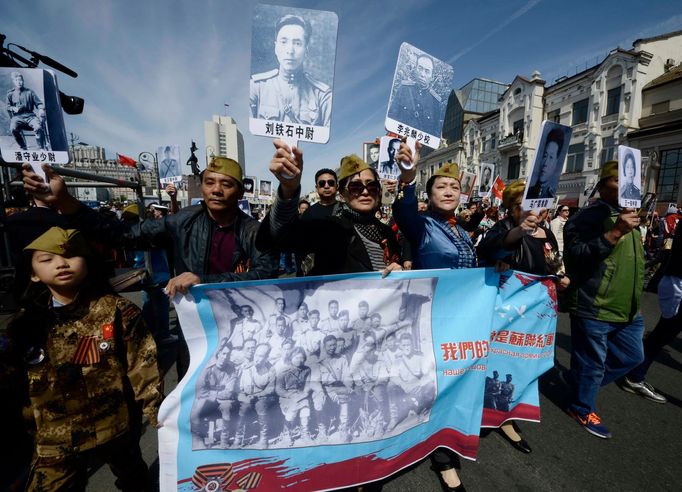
(212,242)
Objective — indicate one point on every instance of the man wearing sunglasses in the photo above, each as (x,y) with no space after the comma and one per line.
(326,185)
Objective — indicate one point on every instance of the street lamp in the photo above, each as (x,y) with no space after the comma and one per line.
(147,158)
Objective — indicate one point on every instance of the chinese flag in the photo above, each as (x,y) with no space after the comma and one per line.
(498,188)
(124,160)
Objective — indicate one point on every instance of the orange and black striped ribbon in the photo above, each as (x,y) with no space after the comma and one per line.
(220,471)
(243,266)
(87,352)
(250,480)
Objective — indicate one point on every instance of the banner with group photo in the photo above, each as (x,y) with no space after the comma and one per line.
(330,382)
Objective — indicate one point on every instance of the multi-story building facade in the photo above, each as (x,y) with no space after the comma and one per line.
(604,106)
(659,136)
(223,138)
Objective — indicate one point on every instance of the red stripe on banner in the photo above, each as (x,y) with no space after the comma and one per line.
(276,475)
(522,411)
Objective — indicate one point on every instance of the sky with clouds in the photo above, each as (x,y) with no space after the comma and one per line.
(152,71)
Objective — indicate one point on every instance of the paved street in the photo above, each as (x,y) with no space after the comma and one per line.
(643,454)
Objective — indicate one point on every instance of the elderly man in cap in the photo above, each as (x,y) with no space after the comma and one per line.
(212,242)
(605,260)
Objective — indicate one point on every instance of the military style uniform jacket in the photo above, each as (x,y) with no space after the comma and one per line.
(417,107)
(298,98)
(89,365)
(25,100)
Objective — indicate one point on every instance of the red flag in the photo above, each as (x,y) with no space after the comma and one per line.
(124,160)
(498,188)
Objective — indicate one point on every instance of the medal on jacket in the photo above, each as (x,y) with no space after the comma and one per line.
(107,334)
(34,356)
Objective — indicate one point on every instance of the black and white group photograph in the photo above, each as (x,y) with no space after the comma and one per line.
(31,119)
(341,365)
(421,86)
(292,69)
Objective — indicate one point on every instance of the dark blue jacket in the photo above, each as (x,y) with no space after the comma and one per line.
(432,244)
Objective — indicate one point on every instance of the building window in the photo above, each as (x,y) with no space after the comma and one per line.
(669,176)
(493,141)
(514,168)
(613,100)
(576,158)
(580,111)
(608,149)
(554,116)
(662,107)
(518,126)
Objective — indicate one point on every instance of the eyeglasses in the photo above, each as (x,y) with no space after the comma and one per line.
(356,188)
(326,182)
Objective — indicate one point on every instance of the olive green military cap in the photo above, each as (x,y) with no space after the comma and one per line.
(350,165)
(226,166)
(63,242)
(449,170)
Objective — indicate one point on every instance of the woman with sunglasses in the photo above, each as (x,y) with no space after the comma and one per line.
(351,240)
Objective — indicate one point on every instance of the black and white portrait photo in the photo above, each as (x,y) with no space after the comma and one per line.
(169,164)
(370,154)
(485,181)
(249,183)
(292,72)
(629,177)
(467,186)
(315,362)
(421,85)
(547,165)
(265,188)
(388,151)
(31,119)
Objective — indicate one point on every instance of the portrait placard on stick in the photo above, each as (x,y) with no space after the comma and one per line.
(370,154)
(169,164)
(629,177)
(549,160)
(249,183)
(31,119)
(485,181)
(421,86)
(467,186)
(293,52)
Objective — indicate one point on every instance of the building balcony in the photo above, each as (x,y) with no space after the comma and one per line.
(510,142)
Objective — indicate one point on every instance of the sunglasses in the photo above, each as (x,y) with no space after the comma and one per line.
(326,182)
(356,188)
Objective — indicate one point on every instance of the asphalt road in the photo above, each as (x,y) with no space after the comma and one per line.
(642,455)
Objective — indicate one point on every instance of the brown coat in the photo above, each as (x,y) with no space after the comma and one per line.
(82,401)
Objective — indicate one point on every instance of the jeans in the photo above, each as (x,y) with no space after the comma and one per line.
(665,332)
(601,352)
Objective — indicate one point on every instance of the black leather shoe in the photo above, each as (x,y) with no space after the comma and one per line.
(521,445)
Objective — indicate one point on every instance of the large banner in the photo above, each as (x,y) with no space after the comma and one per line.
(328,382)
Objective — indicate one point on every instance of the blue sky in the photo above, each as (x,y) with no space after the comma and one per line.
(151,71)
